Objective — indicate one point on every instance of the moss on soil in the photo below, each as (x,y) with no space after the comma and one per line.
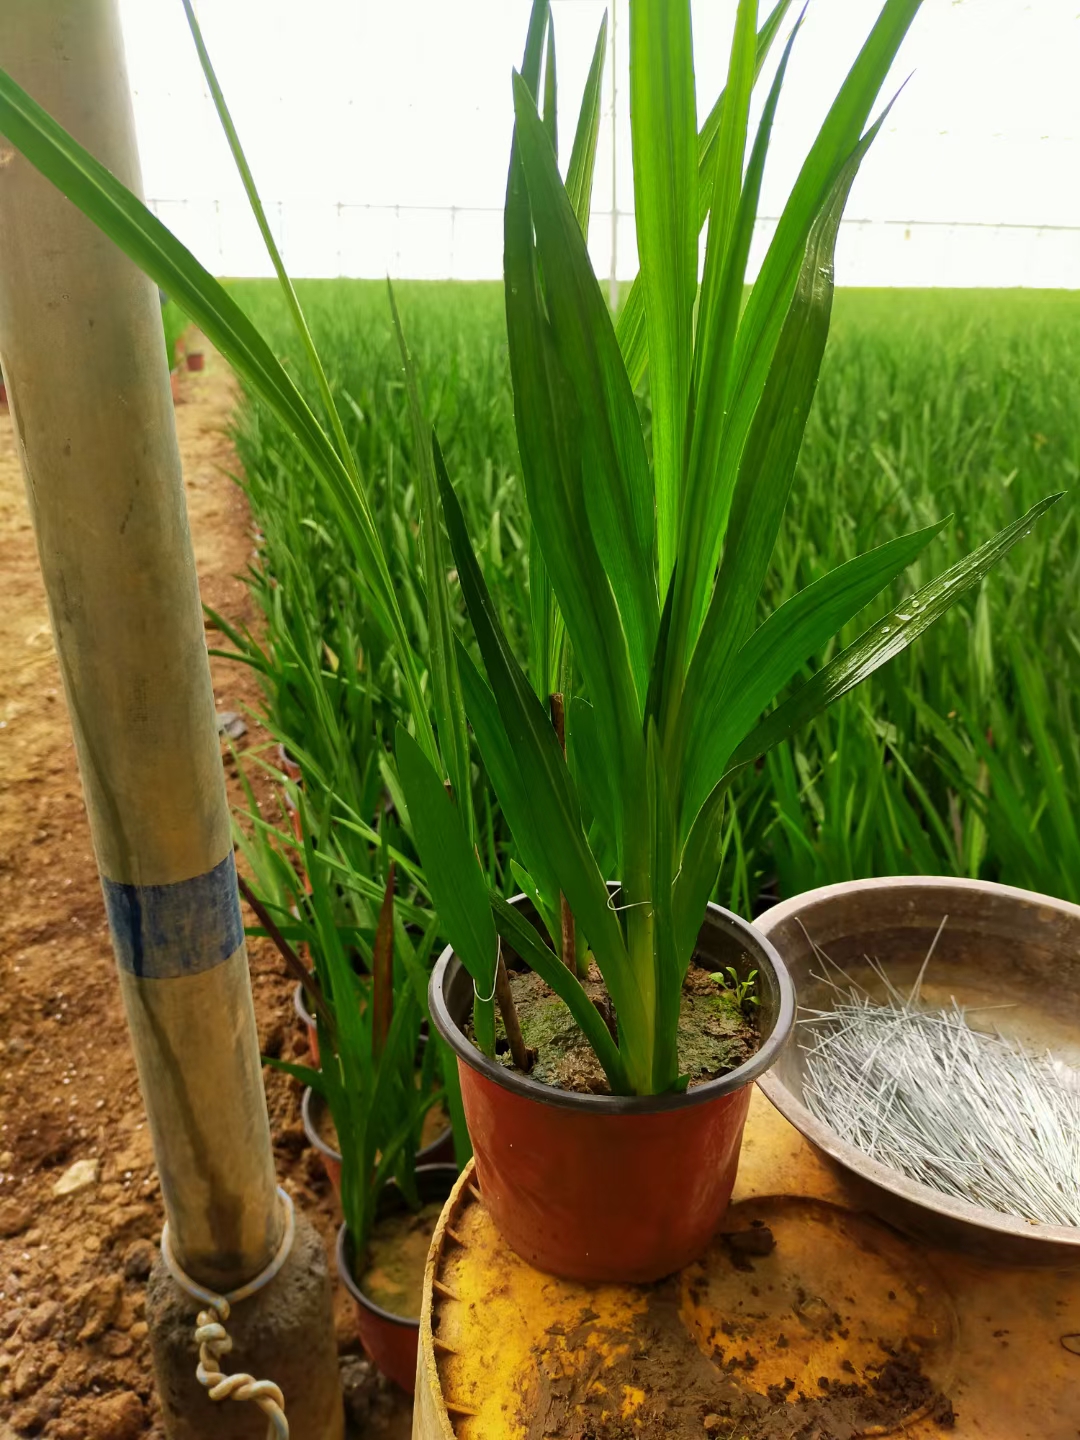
(715,1036)
(394,1274)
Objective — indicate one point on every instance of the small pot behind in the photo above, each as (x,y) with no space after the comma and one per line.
(605,1187)
(391,1340)
(1001,947)
(306,1018)
(195,360)
(313,1108)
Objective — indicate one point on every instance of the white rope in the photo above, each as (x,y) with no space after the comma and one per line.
(214,1341)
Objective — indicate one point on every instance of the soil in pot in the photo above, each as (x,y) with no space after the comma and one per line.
(716,1033)
(389,1288)
(393,1276)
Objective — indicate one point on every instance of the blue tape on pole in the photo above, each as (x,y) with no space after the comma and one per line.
(161,931)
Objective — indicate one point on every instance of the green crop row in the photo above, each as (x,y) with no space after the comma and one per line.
(962,756)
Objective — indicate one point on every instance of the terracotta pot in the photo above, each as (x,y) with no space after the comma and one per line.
(195,360)
(308,1020)
(607,1187)
(390,1340)
(312,1109)
(174,386)
(3,393)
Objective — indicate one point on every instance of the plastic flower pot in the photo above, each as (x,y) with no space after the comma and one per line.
(306,1018)
(308,1021)
(289,767)
(391,1340)
(610,1187)
(312,1111)
(195,360)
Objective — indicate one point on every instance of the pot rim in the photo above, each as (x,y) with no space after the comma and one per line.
(311,1097)
(737,929)
(863,1166)
(431,1173)
(300,1004)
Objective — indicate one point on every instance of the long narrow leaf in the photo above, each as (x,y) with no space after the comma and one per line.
(837,138)
(631,328)
(765,476)
(579,177)
(618,494)
(453,874)
(795,630)
(143,238)
(453,736)
(549,791)
(708,486)
(884,640)
(664,132)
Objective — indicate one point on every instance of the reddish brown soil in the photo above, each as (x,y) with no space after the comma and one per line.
(74,1360)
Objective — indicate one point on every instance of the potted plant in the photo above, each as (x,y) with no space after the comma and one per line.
(650,547)
(373,1094)
(654,565)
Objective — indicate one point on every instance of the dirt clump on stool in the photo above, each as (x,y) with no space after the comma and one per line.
(664,1388)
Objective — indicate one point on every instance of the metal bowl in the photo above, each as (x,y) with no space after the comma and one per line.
(1000,947)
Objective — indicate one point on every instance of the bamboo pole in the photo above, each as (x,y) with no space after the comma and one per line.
(84,360)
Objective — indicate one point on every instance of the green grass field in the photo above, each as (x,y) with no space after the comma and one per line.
(962,756)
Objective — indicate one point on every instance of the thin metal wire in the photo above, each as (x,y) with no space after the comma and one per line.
(485,999)
(966,1112)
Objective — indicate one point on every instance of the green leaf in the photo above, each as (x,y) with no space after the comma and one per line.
(551,89)
(454,878)
(728,172)
(547,788)
(304,1074)
(807,620)
(664,130)
(783,643)
(708,493)
(697,873)
(592,773)
(631,327)
(539,16)
(768,303)
(761,492)
(505,774)
(579,177)
(143,238)
(291,298)
(543,620)
(527,885)
(669,972)
(453,734)
(517,932)
(876,646)
(617,489)
(549,441)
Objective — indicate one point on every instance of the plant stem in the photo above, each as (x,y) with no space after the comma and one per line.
(566,915)
(523,1056)
(293,963)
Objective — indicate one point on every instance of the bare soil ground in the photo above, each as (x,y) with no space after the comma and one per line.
(74,1358)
